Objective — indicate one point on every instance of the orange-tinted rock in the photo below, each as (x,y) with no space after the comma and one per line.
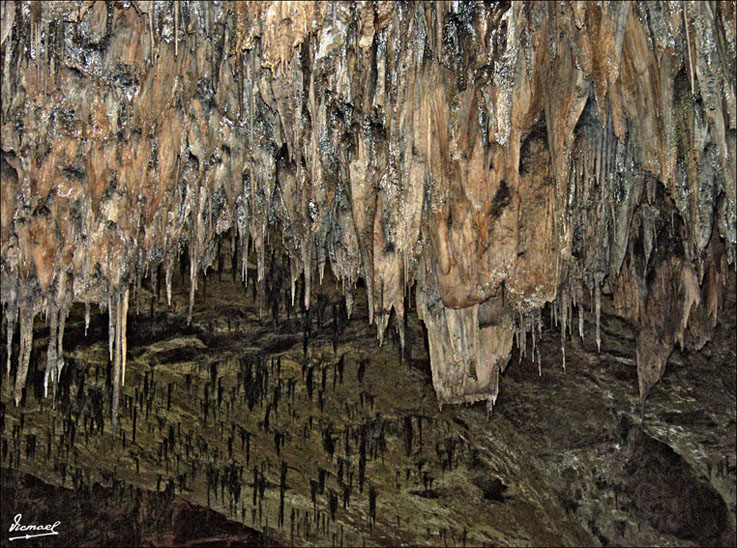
(524,151)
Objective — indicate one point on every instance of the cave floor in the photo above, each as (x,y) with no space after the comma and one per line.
(230,414)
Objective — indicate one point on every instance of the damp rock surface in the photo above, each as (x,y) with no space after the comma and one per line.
(210,211)
(121,515)
(347,440)
(489,158)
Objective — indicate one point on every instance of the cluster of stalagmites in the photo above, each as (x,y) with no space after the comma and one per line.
(496,156)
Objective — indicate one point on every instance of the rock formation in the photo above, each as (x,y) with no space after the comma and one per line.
(491,157)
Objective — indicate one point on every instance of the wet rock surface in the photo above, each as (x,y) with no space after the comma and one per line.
(346,443)
(211,210)
(122,515)
(495,157)
(664,480)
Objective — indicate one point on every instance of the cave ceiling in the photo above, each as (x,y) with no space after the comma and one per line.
(482,159)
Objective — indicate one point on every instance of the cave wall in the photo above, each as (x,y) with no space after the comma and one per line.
(495,157)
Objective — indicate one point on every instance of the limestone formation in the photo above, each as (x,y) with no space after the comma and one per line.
(495,157)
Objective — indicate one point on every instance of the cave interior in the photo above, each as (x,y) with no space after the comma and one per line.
(368,273)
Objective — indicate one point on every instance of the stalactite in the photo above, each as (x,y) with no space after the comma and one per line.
(26,345)
(580,321)
(192,281)
(64,305)
(577,158)
(372,504)
(534,336)
(121,312)
(50,374)
(176,29)
(11,315)
(110,325)
(169,269)
(563,325)
(86,317)
(597,290)
(8,52)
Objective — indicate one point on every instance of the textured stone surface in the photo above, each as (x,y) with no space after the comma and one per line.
(524,153)
(295,424)
(120,515)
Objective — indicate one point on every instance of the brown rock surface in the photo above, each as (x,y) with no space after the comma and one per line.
(526,152)
(292,422)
